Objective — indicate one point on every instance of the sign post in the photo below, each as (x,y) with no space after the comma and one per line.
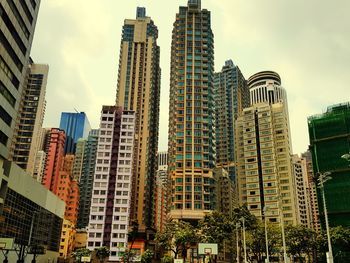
(85,259)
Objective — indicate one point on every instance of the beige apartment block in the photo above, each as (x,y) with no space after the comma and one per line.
(139,90)
(263,152)
(191,143)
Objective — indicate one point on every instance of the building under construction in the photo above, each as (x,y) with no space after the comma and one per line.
(330,139)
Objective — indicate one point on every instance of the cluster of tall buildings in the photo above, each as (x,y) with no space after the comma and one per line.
(229,144)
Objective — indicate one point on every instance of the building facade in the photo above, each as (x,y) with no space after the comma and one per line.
(30,117)
(76,125)
(231,97)
(263,152)
(312,192)
(54,159)
(79,159)
(303,203)
(162,191)
(37,209)
(139,90)
(17,25)
(191,141)
(111,198)
(87,178)
(329,135)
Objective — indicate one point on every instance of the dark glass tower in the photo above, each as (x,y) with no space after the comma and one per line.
(76,126)
(191,113)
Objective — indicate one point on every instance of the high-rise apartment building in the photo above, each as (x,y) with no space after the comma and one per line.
(231,97)
(329,135)
(139,91)
(54,159)
(111,198)
(87,178)
(263,151)
(79,159)
(312,192)
(225,191)
(76,125)
(191,143)
(30,117)
(303,205)
(17,24)
(162,191)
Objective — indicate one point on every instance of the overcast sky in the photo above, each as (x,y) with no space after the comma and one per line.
(306,42)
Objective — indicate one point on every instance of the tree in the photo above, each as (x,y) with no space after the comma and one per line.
(300,240)
(79,253)
(257,243)
(177,236)
(147,256)
(240,212)
(340,238)
(127,255)
(216,227)
(102,253)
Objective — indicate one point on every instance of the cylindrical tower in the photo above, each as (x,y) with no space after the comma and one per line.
(265,86)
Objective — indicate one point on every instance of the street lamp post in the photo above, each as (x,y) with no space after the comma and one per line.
(266,239)
(324,177)
(244,241)
(237,243)
(285,257)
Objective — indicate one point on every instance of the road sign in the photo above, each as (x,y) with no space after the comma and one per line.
(37,249)
(6,243)
(85,259)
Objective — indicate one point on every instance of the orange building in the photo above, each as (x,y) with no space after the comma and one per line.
(72,203)
(54,159)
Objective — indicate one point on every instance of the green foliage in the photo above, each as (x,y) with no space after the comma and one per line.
(102,253)
(128,255)
(240,212)
(300,240)
(257,243)
(166,259)
(177,236)
(147,256)
(79,253)
(216,227)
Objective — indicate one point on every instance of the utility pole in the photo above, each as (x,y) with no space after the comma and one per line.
(266,239)
(324,177)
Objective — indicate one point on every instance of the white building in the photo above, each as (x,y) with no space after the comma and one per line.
(110,206)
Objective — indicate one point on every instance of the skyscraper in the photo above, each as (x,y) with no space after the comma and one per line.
(303,204)
(139,91)
(111,198)
(76,125)
(54,159)
(87,178)
(17,24)
(191,141)
(263,151)
(231,97)
(329,139)
(312,192)
(162,191)
(30,117)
